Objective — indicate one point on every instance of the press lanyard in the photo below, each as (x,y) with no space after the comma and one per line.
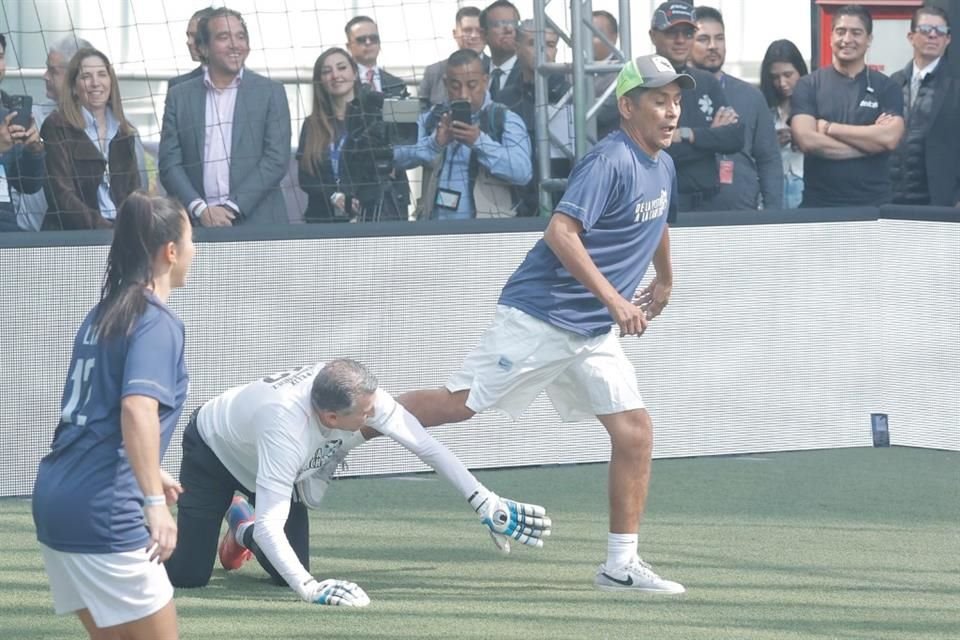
(104,146)
(335,150)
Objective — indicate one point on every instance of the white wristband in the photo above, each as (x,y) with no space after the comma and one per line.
(154,501)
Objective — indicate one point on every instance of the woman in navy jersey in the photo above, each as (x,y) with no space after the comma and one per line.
(100,502)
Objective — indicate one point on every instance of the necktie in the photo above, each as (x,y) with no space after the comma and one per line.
(495,83)
(370,79)
(914,87)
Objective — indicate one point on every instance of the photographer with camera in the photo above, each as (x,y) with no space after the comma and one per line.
(475,152)
(21,151)
(344,156)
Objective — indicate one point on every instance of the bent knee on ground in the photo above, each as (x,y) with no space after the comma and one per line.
(188,580)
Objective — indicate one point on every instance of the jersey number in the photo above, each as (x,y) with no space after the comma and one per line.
(277,377)
(80,388)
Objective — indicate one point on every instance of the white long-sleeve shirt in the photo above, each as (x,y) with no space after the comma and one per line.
(268,436)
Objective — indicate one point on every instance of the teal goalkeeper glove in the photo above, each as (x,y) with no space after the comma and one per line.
(506,519)
(335,592)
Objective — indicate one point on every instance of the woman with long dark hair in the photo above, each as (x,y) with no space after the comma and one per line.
(324,136)
(100,502)
(94,154)
(783,65)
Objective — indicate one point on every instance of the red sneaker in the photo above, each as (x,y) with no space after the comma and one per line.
(234,555)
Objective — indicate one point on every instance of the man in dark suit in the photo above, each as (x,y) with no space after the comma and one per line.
(192,46)
(225,140)
(521,99)
(925,168)
(500,21)
(468,35)
(363,43)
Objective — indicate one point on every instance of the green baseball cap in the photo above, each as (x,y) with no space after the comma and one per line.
(650,72)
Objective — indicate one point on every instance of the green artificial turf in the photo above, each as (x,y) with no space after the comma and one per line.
(850,543)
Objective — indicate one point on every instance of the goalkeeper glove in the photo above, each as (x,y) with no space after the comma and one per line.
(506,519)
(334,592)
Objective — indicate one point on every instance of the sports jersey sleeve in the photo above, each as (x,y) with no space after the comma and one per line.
(279,454)
(394,421)
(592,188)
(153,354)
(804,98)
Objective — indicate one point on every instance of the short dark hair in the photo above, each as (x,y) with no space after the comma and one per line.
(499,4)
(203,27)
(855,11)
(337,386)
(708,13)
(467,12)
(355,20)
(200,14)
(928,11)
(463,57)
(606,15)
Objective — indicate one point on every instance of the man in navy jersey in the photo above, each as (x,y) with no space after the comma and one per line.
(552,329)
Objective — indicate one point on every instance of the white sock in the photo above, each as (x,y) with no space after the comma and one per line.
(242,529)
(621,548)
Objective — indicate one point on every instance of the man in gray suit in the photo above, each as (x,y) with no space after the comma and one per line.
(225,141)
(468,35)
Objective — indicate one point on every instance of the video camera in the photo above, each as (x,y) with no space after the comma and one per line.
(368,153)
(401,110)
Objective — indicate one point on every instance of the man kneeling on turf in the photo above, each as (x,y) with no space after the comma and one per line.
(291,430)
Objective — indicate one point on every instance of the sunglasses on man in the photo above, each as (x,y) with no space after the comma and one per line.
(371,39)
(931,29)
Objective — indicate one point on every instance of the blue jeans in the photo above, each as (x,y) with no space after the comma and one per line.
(792,190)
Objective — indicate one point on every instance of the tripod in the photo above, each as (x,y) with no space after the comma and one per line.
(385,203)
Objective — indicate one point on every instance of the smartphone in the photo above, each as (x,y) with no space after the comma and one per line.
(460,111)
(23,105)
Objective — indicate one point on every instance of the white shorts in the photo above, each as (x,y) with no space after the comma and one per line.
(519,356)
(115,587)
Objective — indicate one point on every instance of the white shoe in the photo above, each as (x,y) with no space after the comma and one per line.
(637,576)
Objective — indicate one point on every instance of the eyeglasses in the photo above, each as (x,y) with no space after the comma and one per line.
(372,39)
(933,29)
(503,24)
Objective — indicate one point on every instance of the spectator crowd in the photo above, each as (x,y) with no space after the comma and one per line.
(842,135)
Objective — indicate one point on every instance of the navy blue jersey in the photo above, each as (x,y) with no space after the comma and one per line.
(622,197)
(86,498)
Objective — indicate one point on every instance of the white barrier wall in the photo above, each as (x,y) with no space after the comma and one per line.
(778,336)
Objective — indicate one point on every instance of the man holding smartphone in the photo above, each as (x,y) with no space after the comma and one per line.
(21,161)
(21,150)
(477,151)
